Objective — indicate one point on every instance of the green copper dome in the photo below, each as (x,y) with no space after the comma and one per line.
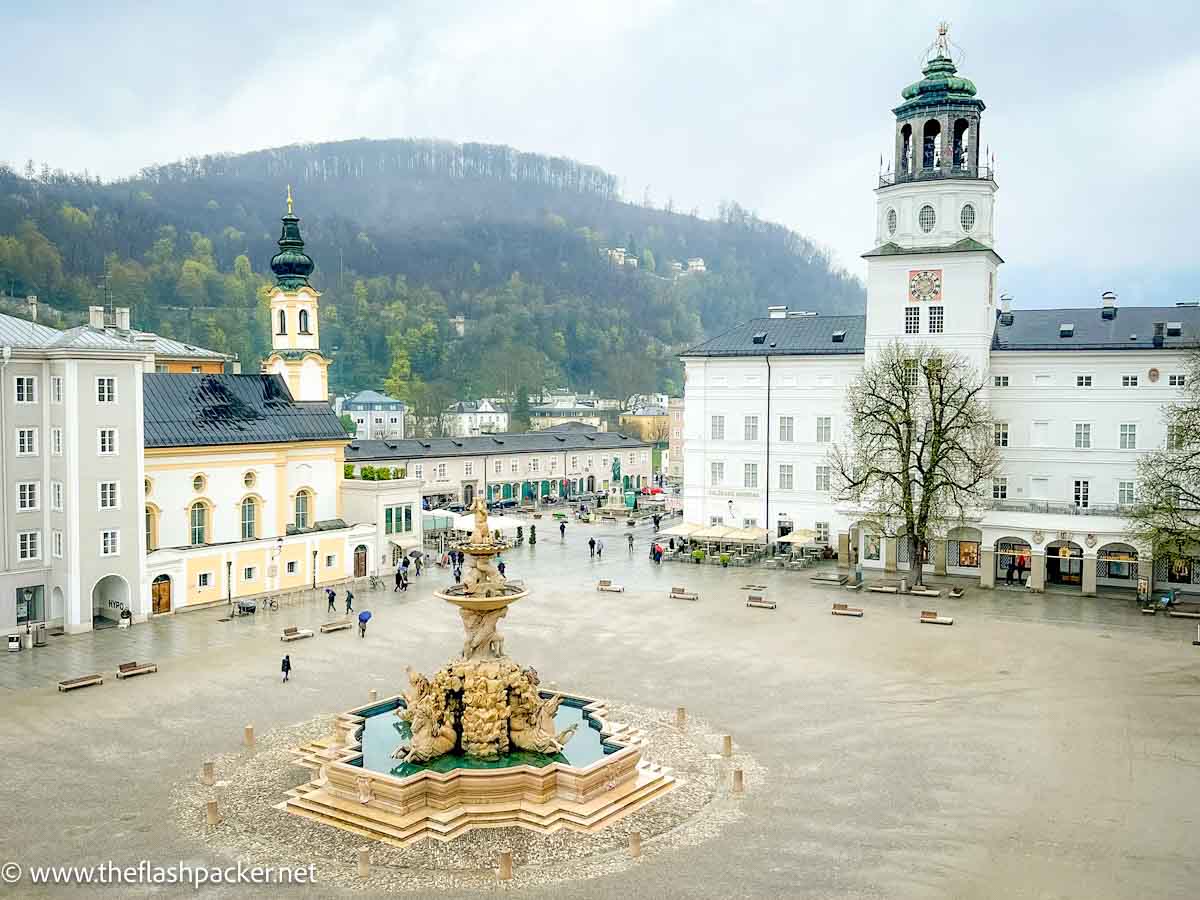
(940,85)
(291,264)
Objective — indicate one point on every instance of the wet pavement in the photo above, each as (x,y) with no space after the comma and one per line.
(1044,746)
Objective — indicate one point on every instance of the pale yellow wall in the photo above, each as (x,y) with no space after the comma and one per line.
(259,560)
(300,554)
(335,546)
(211,563)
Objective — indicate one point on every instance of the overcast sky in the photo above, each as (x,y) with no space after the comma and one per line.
(1092,107)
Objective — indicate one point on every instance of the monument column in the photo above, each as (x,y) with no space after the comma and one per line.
(1089,576)
(1037,571)
(987,571)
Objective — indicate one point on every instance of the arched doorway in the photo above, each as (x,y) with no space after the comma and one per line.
(110,595)
(1013,559)
(160,595)
(591,484)
(508,492)
(545,488)
(58,608)
(468,494)
(1064,563)
(360,561)
(625,482)
(1117,565)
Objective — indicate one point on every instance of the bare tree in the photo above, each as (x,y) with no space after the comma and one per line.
(1166,513)
(920,456)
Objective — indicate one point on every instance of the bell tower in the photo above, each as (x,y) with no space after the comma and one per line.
(932,274)
(295,332)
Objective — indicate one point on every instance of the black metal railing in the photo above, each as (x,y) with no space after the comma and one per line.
(1060,508)
(933,173)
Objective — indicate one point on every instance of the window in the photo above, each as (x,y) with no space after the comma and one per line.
(822,480)
(56,441)
(1128,437)
(107,443)
(56,543)
(302,509)
(912,320)
(750,428)
(1083,381)
(248,573)
(1000,434)
(533,464)
(304,322)
(717,472)
(574,463)
(282,321)
(27,444)
(1125,492)
(718,428)
(554,464)
(822,532)
(106,389)
(249,479)
(419,470)
(589,462)
(926,218)
(785,477)
(936,319)
(966,218)
(912,376)
(330,561)
(56,496)
(1000,488)
(1000,381)
(27,495)
(1081,494)
(1176,380)
(109,495)
(1129,381)
(249,519)
(204,579)
(26,389)
(824,429)
(151,528)
(468,469)
(398,519)
(787,428)
(110,542)
(497,467)
(1083,436)
(1174,437)
(56,389)
(198,519)
(292,567)
(891,222)
(515,468)
(750,479)
(29,545)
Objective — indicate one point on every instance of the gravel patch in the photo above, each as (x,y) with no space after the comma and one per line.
(251,782)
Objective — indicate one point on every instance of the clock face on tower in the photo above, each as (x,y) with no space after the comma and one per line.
(925,285)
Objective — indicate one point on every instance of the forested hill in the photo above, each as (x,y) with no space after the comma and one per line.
(406,235)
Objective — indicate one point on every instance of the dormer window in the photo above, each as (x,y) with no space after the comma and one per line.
(760,337)
(1066,329)
(1174,329)
(304,322)
(282,322)
(839,337)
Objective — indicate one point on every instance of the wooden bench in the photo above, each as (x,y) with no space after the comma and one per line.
(129,669)
(758,601)
(682,593)
(930,617)
(1181,614)
(292,633)
(1196,642)
(605,585)
(335,626)
(957,592)
(1149,611)
(880,587)
(922,591)
(829,578)
(841,609)
(82,681)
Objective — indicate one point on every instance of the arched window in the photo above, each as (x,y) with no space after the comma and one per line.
(198,518)
(303,504)
(304,322)
(962,130)
(930,151)
(151,528)
(906,154)
(283,321)
(249,519)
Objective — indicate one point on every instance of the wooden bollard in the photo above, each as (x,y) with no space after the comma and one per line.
(635,844)
(373,695)
(727,745)
(681,716)
(364,862)
(504,873)
(207,776)
(739,784)
(248,735)
(210,813)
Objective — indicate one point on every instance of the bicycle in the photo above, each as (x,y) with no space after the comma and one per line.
(375,583)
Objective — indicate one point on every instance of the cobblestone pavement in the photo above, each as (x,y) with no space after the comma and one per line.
(1042,746)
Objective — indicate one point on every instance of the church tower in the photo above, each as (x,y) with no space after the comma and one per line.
(295,334)
(932,275)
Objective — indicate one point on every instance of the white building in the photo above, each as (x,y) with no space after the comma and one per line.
(765,401)
(376,416)
(468,418)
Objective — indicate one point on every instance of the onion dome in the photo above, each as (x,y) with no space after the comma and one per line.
(940,83)
(291,264)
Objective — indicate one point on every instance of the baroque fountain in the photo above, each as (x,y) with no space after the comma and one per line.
(480,744)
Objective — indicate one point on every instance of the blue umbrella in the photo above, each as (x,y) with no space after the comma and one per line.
(364,616)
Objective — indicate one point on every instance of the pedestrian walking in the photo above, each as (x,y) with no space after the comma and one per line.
(399,570)
(349,602)
(363,618)
(562,531)
(629,538)
(331,596)
(592,546)
(500,567)
(457,575)
(599,549)
(286,667)
(418,566)
(404,581)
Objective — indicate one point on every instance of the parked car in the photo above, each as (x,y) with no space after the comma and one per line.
(510,503)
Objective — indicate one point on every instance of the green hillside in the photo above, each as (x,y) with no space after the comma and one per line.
(406,235)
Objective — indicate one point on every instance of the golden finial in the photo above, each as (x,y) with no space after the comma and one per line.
(942,44)
(289,199)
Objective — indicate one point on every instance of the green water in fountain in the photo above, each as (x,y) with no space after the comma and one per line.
(383,732)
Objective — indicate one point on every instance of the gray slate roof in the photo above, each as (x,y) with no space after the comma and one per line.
(26,335)
(491,445)
(23,334)
(370,398)
(1132,328)
(793,336)
(212,410)
(169,347)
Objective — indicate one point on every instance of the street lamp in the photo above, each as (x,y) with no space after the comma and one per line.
(315,570)
(229,582)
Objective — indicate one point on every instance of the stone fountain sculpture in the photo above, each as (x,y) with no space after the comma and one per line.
(482,703)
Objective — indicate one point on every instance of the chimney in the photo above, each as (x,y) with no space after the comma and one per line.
(777,312)
(31,305)
(96,316)
(1005,303)
(123,318)
(1108,305)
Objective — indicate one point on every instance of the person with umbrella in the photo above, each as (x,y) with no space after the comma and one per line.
(363,618)
(562,531)
(349,602)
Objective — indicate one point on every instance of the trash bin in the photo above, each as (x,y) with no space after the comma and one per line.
(39,634)
(14,643)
